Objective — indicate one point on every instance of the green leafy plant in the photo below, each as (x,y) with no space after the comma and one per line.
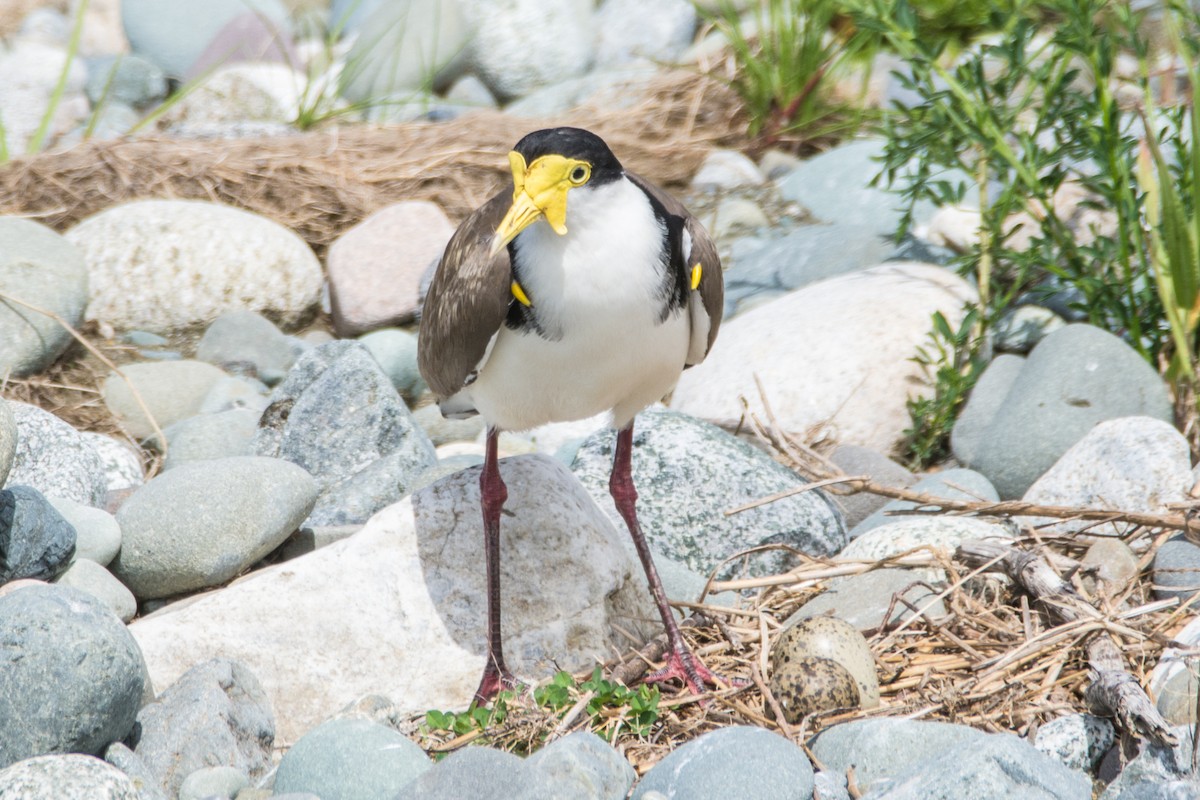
(952,362)
(787,55)
(615,706)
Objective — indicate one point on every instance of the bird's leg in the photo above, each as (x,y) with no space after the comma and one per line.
(492,494)
(680,662)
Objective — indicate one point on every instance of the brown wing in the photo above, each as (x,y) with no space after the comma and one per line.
(712,282)
(467,301)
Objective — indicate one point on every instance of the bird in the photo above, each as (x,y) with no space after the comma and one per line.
(580,289)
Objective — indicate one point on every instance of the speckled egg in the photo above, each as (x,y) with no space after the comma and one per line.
(836,640)
(807,684)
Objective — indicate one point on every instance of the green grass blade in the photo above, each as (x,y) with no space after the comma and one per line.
(38,139)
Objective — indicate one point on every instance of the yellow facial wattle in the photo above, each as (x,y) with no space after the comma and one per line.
(539,190)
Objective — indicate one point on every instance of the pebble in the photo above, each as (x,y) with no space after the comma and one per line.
(31,71)
(585,767)
(246,343)
(173,35)
(499,53)
(615,88)
(726,169)
(679,494)
(232,391)
(396,353)
(1115,565)
(655,30)
(337,416)
(953,484)
(1077,740)
(175,538)
(1129,463)
(1020,329)
(834,639)
(878,749)
(1158,773)
(1075,378)
(65,777)
(215,713)
(69,670)
(346,595)
(88,576)
(854,460)
(125,79)
(944,533)
(375,267)
(821,358)
(1176,570)
(210,782)
(728,763)
(45,270)
(1173,682)
(464,772)
(735,215)
(171,391)
(863,600)
(836,187)
(761,270)
(161,265)
(35,540)
(121,463)
(97,534)
(982,404)
(351,759)
(223,434)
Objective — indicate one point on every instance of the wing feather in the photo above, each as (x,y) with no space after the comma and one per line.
(467,301)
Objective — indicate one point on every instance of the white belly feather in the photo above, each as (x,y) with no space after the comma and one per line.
(596,291)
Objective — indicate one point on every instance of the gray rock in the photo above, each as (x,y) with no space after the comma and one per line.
(210,782)
(128,762)
(997,767)
(728,762)
(854,460)
(248,39)
(941,532)
(223,434)
(97,534)
(396,352)
(307,540)
(127,79)
(836,187)
(1158,773)
(1114,563)
(232,392)
(338,416)
(65,777)
(243,342)
(444,468)
(726,169)
(171,390)
(351,759)
(831,786)
(216,713)
(1077,740)
(616,88)
(43,269)
(466,772)
(31,71)
(1131,463)
(8,440)
(954,484)
(863,600)
(984,401)
(734,215)
(120,462)
(226,257)
(471,92)
(881,748)
(69,671)
(54,458)
(88,576)
(500,57)
(585,767)
(1177,570)
(1075,378)
(806,255)
(35,540)
(173,35)
(1020,329)
(202,523)
(680,494)
(658,30)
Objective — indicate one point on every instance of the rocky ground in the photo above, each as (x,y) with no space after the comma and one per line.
(239,554)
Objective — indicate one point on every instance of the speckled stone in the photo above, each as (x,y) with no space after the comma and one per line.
(65,777)
(54,458)
(810,684)
(836,640)
(944,533)
(1077,740)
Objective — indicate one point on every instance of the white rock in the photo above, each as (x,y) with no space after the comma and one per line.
(500,52)
(31,70)
(159,265)
(54,458)
(837,352)
(122,463)
(259,91)
(954,227)
(65,776)
(658,30)
(399,608)
(1130,463)
(727,169)
(940,533)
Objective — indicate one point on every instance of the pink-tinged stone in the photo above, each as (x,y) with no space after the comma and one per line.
(375,267)
(18,584)
(246,37)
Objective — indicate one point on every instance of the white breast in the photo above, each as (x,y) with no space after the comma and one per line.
(597,294)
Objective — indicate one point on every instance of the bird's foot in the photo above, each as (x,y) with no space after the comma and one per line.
(493,681)
(682,665)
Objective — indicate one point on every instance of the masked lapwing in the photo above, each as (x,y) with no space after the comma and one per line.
(581,289)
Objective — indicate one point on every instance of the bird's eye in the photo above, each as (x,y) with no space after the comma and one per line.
(580,174)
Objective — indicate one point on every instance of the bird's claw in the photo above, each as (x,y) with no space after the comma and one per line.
(493,681)
(682,665)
